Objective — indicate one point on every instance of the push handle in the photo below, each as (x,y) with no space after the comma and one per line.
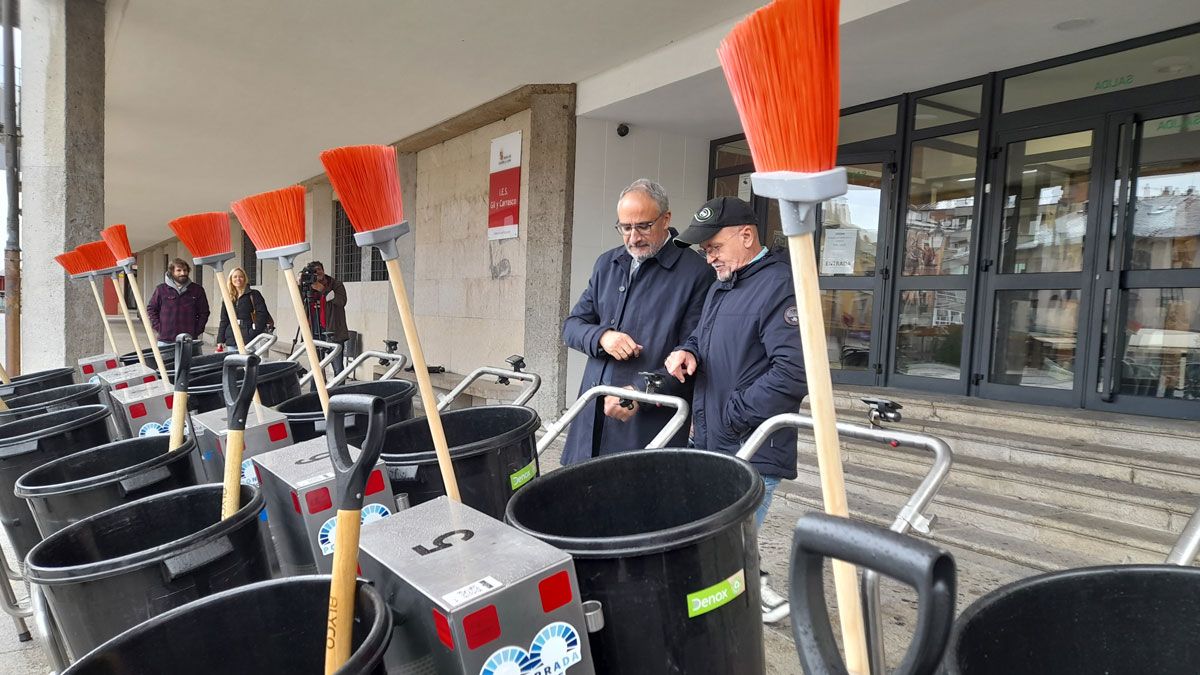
(927,569)
(183,361)
(351,476)
(237,400)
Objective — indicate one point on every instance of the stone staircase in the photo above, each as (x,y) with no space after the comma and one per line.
(1041,487)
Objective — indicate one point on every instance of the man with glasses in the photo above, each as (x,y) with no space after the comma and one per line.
(642,299)
(744,355)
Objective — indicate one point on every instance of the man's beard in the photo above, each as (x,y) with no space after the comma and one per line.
(648,254)
(725,274)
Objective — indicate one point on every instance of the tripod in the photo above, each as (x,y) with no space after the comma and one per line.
(313,315)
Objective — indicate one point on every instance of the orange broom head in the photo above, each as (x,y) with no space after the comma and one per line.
(118,241)
(367,183)
(204,234)
(73,263)
(273,219)
(97,255)
(781,63)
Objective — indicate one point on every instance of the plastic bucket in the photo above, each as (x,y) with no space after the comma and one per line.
(167,351)
(74,487)
(202,364)
(277,382)
(43,379)
(50,400)
(492,447)
(665,540)
(307,421)
(30,442)
(116,569)
(268,627)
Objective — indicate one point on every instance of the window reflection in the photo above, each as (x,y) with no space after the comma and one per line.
(929,337)
(850,225)
(848,328)
(1162,343)
(1035,338)
(941,205)
(1166,220)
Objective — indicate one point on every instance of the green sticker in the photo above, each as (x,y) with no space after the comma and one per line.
(705,601)
(523,476)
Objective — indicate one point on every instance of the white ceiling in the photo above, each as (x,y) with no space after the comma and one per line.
(210,100)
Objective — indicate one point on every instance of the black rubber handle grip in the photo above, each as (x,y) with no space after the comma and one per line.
(351,477)
(183,361)
(924,567)
(237,399)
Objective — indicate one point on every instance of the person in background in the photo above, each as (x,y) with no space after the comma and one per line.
(330,307)
(745,353)
(643,298)
(178,305)
(250,307)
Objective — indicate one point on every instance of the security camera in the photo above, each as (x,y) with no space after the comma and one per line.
(622,130)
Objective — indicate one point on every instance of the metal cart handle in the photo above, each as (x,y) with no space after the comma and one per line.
(400,361)
(1188,545)
(673,425)
(334,348)
(261,344)
(534,383)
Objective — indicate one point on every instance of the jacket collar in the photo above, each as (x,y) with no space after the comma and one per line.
(771,258)
(666,257)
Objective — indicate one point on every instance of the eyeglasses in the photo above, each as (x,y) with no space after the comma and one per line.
(642,228)
(713,249)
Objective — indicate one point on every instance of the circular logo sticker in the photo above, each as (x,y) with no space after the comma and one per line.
(249,477)
(704,214)
(155,428)
(325,536)
(373,512)
(791,317)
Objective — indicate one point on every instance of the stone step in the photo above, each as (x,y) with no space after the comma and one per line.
(1102,540)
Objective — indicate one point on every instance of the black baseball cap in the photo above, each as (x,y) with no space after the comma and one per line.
(714,215)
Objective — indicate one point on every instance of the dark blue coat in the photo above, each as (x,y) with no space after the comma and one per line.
(750,366)
(658,309)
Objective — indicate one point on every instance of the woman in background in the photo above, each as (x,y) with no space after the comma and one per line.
(251,310)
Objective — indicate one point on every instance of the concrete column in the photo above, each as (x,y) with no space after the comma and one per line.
(548,254)
(62,157)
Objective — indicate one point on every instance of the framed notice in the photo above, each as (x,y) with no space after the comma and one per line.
(504,187)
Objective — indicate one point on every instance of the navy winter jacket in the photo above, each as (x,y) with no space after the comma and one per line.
(658,309)
(750,366)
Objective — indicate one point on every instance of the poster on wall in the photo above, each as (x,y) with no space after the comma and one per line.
(504,187)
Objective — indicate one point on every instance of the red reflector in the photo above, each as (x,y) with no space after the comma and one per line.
(121,385)
(295,501)
(894,444)
(277,432)
(318,500)
(443,630)
(169,399)
(110,364)
(137,410)
(375,482)
(148,379)
(481,627)
(88,369)
(257,473)
(555,591)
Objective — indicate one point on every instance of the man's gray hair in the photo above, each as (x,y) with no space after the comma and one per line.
(652,189)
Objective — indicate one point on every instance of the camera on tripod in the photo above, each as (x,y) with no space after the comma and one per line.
(308,276)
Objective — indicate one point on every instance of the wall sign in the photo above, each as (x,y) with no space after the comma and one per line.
(838,251)
(504,187)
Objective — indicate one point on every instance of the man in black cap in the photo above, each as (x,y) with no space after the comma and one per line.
(745,352)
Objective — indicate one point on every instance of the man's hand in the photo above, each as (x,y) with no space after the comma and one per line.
(614,409)
(681,364)
(318,287)
(619,345)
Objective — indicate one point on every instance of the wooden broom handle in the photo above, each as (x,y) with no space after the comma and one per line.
(829,455)
(428,400)
(179,402)
(231,312)
(340,622)
(119,284)
(235,446)
(314,361)
(103,316)
(141,306)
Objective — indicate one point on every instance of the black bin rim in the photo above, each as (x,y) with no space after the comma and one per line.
(55,394)
(310,404)
(373,644)
(268,371)
(39,375)
(451,417)
(642,543)
(59,421)
(27,486)
(103,569)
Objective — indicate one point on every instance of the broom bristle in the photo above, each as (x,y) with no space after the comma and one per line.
(781,63)
(204,234)
(118,241)
(367,182)
(72,262)
(273,219)
(97,255)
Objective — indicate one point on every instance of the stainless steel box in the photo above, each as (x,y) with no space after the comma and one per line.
(298,485)
(143,409)
(98,363)
(117,379)
(477,595)
(264,433)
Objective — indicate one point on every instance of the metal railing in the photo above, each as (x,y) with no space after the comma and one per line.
(673,425)
(400,362)
(1188,545)
(533,379)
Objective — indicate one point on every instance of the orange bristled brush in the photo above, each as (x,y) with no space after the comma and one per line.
(117,240)
(101,261)
(781,64)
(274,221)
(206,236)
(77,268)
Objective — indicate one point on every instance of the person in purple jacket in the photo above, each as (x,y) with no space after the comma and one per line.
(178,305)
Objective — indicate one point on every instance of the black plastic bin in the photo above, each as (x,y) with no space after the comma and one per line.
(492,447)
(202,364)
(30,442)
(50,400)
(112,571)
(43,379)
(268,627)
(167,351)
(307,420)
(74,487)
(665,540)
(277,382)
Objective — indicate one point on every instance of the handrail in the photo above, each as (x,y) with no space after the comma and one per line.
(400,359)
(1188,545)
(668,432)
(534,380)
